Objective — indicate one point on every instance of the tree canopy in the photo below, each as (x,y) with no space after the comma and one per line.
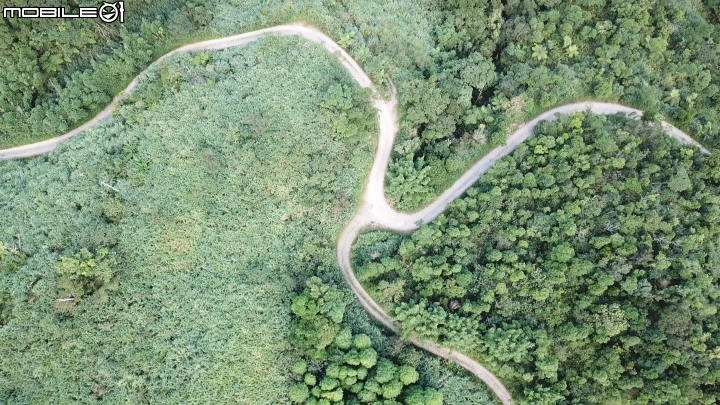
(339,366)
(582,268)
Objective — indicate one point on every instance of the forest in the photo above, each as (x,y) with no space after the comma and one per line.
(583,268)
(344,367)
(58,73)
(497,64)
(176,252)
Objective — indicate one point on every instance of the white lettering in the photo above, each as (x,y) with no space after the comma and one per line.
(46,12)
(11,11)
(26,12)
(88,12)
(108,12)
(63,15)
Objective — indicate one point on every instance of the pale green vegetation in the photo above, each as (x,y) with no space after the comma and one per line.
(232,184)
(153,258)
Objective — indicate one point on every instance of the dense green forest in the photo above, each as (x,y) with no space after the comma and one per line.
(583,268)
(344,367)
(154,259)
(495,64)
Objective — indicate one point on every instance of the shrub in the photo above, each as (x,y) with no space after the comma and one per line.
(5,308)
(84,272)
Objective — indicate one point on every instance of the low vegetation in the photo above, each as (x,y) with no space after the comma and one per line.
(160,249)
(582,268)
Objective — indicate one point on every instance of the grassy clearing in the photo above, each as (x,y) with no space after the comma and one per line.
(232,184)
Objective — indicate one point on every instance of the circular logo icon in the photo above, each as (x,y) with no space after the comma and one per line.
(108,12)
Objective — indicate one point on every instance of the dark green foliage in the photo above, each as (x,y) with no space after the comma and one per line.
(581,269)
(319,310)
(83,273)
(6,306)
(344,366)
(112,210)
(11,258)
(418,396)
(60,72)
(495,64)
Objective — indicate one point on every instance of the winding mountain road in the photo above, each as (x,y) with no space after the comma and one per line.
(374,211)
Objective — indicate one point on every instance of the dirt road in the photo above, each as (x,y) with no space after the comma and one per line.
(309,33)
(374,211)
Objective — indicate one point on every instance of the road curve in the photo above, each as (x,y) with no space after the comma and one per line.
(307,32)
(374,211)
(385,217)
